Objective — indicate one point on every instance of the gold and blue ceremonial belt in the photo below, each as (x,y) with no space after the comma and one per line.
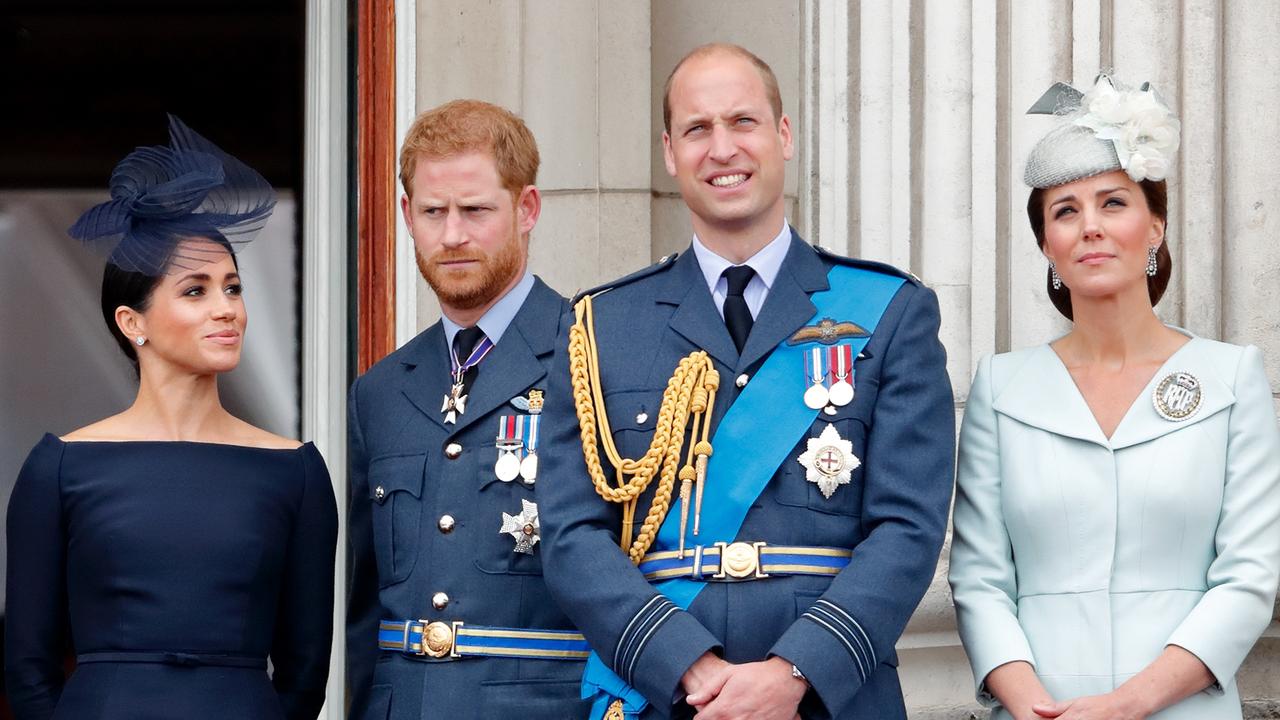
(453,640)
(738,561)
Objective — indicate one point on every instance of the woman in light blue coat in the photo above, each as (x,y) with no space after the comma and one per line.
(1117,524)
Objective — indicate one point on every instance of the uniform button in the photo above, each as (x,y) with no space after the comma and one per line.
(379,492)
(439,601)
(742,379)
(642,417)
(452,451)
(445,524)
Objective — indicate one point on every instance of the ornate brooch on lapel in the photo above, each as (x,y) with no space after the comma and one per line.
(1177,396)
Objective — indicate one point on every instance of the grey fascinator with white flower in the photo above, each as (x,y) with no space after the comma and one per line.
(1108,128)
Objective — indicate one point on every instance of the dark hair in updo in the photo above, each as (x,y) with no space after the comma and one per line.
(133,290)
(1157,195)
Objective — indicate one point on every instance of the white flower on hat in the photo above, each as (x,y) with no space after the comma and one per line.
(1142,129)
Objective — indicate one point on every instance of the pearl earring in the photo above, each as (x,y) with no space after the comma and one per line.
(140,340)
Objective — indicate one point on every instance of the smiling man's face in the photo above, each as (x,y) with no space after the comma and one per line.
(725,147)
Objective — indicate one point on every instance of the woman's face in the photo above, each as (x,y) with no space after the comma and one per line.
(196,318)
(1097,232)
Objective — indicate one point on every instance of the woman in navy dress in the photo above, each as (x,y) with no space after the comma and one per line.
(174,546)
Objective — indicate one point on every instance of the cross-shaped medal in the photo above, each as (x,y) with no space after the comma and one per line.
(455,403)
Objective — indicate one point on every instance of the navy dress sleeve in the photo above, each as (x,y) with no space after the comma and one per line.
(36,619)
(300,653)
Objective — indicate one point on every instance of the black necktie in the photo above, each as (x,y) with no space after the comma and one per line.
(464,343)
(737,316)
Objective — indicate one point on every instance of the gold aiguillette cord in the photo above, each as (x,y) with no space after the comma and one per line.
(689,396)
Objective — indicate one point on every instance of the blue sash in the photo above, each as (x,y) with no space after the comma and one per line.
(749,452)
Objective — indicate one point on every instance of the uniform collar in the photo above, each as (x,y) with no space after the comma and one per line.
(498,318)
(766,262)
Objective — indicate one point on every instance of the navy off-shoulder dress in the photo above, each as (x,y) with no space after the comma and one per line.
(174,569)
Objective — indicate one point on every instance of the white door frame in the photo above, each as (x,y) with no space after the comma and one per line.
(406,302)
(325,237)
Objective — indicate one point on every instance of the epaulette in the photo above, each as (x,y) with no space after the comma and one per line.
(665,262)
(880,267)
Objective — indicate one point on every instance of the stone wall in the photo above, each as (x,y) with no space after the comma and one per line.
(911,136)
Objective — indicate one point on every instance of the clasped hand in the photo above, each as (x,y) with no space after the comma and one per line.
(1108,706)
(766,690)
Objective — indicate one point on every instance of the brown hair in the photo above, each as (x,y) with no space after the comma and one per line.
(766,75)
(1157,195)
(462,126)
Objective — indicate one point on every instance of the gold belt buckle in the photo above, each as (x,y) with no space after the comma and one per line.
(740,561)
(439,639)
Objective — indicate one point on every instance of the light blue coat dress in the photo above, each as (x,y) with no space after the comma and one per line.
(1086,556)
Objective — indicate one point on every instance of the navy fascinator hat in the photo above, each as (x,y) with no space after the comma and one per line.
(163,196)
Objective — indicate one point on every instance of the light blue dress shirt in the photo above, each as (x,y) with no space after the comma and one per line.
(767,262)
(495,321)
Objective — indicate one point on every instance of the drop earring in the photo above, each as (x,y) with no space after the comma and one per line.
(1152,267)
(1053,276)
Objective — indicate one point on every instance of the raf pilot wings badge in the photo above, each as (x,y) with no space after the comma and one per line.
(827,332)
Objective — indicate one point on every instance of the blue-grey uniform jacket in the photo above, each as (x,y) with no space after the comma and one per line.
(405,479)
(839,631)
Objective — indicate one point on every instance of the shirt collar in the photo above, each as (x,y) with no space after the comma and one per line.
(497,318)
(767,262)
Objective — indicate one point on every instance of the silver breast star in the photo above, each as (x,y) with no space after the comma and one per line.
(522,527)
(829,461)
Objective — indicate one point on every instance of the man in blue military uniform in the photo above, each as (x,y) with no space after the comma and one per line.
(765,429)
(449,616)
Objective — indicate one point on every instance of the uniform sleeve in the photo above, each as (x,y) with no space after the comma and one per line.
(908,476)
(363,605)
(984,583)
(304,625)
(1242,579)
(642,636)
(36,619)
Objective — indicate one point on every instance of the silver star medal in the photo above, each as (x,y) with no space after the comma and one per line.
(522,527)
(829,461)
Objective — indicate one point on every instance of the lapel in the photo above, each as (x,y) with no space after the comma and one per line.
(1042,394)
(787,307)
(426,378)
(513,366)
(696,318)
(1142,423)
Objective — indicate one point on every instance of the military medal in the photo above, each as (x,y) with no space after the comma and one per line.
(522,527)
(815,373)
(455,403)
(509,442)
(841,363)
(829,461)
(529,466)
(1177,396)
